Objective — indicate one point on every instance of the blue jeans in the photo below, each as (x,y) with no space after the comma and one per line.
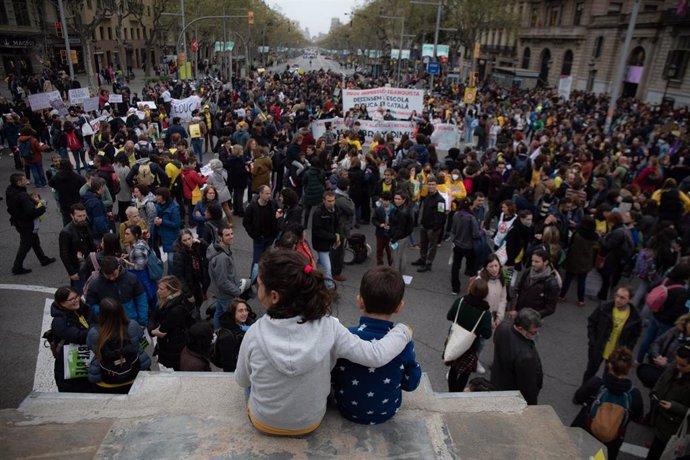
(324,259)
(197,146)
(654,329)
(80,160)
(221,305)
(38,174)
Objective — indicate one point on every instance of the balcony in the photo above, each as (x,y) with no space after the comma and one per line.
(554,33)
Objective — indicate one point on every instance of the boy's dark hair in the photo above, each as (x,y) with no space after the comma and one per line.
(386,196)
(109,264)
(382,289)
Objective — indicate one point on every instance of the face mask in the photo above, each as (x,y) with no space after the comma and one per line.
(455,176)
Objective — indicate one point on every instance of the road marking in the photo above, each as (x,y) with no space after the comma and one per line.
(29,288)
(44,380)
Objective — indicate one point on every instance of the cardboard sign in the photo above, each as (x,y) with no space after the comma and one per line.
(115,98)
(194,131)
(90,104)
(77,96)
(41,101)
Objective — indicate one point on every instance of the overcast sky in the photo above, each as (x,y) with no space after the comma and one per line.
(315,14)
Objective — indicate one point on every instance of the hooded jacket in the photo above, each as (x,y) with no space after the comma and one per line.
(21,208)
(221,268)
(99,224)
(288,366)
(538,291)
(127,290)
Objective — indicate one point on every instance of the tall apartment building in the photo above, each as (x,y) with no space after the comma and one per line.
(30,36)
(584,39)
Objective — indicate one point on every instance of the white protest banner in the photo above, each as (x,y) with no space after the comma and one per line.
(77,95)
(369,127)
(183,108)
(565,84)
(401,102)
(41,101)
(445,136)
(90,104)
(76,360)
(115,98)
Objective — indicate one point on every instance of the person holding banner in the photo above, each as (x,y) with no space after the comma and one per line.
(69,329)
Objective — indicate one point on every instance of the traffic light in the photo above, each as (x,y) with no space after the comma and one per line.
(250,17)
(58,29)
(73,56)
(63,56)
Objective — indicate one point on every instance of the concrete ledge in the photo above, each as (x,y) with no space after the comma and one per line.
(202,415)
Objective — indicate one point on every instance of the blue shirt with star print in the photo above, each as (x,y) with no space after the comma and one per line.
(371,395)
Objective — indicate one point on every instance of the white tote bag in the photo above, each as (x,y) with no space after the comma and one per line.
(460,339)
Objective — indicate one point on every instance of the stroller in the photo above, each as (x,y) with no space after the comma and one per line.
(356,249)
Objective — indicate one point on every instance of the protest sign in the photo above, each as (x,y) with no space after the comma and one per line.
(194,131)
(90,104)
(400,101)
(76,360)
(183,108)
(445,135)
(77,95)
(115,98)
(60,106)
(150,104)
(41,101)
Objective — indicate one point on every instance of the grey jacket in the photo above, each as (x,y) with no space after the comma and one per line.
(135,333)
(346,206)
(221,268)
(465,230)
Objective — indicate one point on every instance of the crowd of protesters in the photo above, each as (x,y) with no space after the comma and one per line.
(539,196)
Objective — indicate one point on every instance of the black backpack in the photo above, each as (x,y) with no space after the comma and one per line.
(119,361)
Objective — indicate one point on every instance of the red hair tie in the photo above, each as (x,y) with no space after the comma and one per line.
(308,269)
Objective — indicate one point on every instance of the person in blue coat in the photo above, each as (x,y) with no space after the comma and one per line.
(167,221)
(99,224)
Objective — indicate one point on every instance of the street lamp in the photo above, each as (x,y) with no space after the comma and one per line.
(438,6)
(402,34)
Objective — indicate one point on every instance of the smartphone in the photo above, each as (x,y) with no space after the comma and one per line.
(654,397)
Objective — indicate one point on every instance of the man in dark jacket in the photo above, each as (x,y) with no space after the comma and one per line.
(433,216)
(465,230)
(176,127)
(517,365)
(76,243)
(325,234)
(261,224)
(613,324)
(538,287)
(23,210)
(345,208)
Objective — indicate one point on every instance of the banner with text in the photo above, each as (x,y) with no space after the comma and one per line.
(445,135)
(183,108)
(41,101)
(400,101)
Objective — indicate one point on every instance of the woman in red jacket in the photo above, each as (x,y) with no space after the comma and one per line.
(190,181)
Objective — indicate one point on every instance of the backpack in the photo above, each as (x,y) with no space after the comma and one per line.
(94,273)
(145,176)
(608,415)
(154,266)
(49,341)
(216,354)
(522,165)
(119,361)
(656,299)
(645,265)
(25,150)
(72,141)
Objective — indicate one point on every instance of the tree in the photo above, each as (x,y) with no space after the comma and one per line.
(75,10)
(150,20)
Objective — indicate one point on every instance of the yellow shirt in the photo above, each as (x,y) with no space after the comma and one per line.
(619,319)
(172,171)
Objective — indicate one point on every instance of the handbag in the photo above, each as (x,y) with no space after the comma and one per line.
(677,445)
(459,339)
(196,195)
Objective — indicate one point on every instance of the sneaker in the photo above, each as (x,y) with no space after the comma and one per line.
(480,368)
(339,278)
(561,299)
(455,293)
(21,271)
(425,268)
(418,262)
(48,261)
(580,304)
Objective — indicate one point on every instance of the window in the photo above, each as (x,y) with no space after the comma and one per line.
(598,45)
(579,9)
(125,29)
(21,12)
(615,7)
(131,33)
(110,33)
(554,18)
(148,11)
(3,14)
(534,17)
(525,58)
(89,5)
(100,29)
(677,59)
(567,67)
(138,33)
(650,7)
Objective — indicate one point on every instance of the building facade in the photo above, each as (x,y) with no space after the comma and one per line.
(582,40)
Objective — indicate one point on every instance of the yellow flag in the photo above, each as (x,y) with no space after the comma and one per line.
(470,95)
